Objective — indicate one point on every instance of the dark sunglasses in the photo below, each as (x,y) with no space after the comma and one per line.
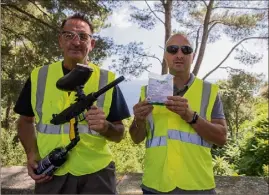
(173,49)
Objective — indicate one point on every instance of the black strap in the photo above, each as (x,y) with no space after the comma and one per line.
(194,118)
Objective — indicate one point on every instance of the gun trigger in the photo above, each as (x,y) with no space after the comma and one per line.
(81,117)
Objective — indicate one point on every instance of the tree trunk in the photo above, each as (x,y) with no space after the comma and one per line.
(204,38)
(167,25)
(230,127)
(236,123)
(6,120)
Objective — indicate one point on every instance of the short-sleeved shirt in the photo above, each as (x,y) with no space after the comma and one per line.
(118,109)
(217,112)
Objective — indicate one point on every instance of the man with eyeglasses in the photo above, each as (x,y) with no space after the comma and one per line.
(89,168)
(179,134)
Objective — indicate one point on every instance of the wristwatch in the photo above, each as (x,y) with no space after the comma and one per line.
(194,118)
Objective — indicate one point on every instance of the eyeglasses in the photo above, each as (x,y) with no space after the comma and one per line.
(70,35)
(173,49)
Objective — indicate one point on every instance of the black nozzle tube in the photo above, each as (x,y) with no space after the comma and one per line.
(109,86)
(80,106)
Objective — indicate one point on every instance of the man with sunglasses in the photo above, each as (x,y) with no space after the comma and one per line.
(89,168)
(179,134)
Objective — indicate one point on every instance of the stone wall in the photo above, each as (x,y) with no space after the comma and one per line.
(15,180)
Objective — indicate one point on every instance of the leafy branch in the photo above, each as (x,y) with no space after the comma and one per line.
(251,8)
(204,3)
(153,12)
(150,56)
(233,48)
(19,35)
(44,13)
(29,15)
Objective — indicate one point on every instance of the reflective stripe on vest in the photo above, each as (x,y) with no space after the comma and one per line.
(156,141)
(193,138)
(205,98)
(102,82)
(40,91)
(56,129)
(151,124)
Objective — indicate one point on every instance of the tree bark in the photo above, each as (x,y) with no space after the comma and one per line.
(236,123)
(6,120)
(167,24)
(230,127)
(204,38)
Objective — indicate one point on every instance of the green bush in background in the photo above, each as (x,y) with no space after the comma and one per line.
(254,156)
(12,153)
(222,167)
(127,155)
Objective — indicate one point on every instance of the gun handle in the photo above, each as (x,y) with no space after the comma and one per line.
(72,127)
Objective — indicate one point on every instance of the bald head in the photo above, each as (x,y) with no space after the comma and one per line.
(177,58)
(178,36)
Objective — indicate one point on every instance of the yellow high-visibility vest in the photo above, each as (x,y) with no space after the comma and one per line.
(176,156)
(92,153)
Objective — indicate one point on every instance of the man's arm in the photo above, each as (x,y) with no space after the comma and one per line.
(25,123)
(26,131)
(217,118)
(217,133)
(27,136)
(111,127)
(138,130)
(114,132)
(214,131)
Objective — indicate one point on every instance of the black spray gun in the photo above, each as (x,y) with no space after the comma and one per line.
(73,81)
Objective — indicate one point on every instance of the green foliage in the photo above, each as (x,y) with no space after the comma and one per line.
(237,96)
(246,152)
(231,152)
(254,155)
(127,155)
(36,28)
(142,17)
(264,91)
(222,167)
(265,170)
(131,53)
(226,158)
(244,20)
(12,153)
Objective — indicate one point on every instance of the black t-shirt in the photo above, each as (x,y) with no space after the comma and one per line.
(118,109)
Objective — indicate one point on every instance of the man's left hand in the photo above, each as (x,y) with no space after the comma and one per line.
(180,106)
(96,119)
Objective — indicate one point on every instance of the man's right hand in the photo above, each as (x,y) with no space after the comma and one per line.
(142,110)
(138,129)
(31,166)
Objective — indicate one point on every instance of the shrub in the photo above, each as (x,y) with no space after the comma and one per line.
(254,157)
(128,156)
(12,153)
(222,167)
